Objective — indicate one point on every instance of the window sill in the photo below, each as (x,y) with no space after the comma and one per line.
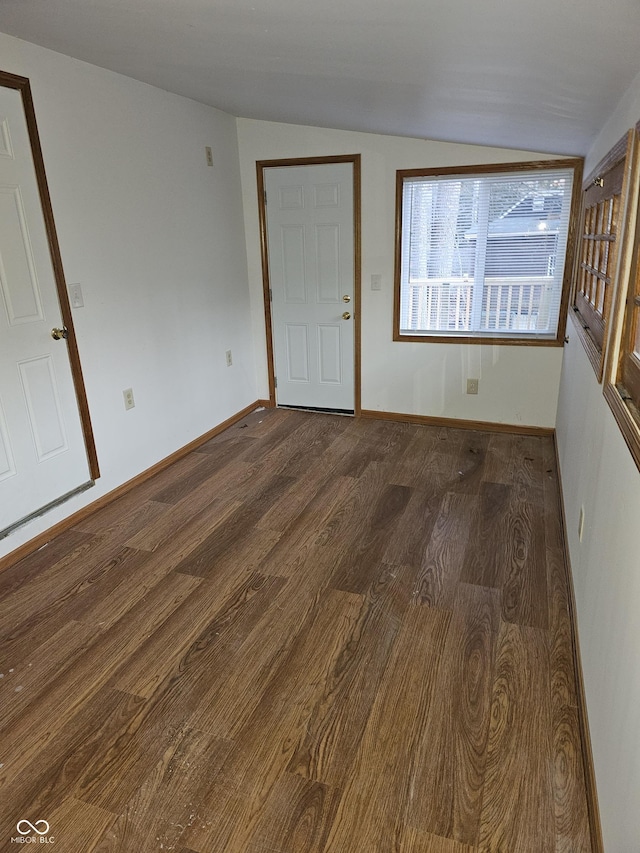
(478,339)
(594,353)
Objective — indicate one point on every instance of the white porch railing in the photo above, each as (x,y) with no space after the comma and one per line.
(506,304)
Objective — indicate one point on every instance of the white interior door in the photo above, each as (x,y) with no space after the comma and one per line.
(310,231)
(42,448)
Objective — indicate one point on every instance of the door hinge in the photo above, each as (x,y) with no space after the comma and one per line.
(265,198)
(275,381)
(270,295)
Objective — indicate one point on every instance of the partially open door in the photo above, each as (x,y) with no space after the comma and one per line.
(47,450)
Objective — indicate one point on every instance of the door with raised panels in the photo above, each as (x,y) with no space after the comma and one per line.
(310,234)
(43,455)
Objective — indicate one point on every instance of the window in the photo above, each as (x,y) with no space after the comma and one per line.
(622,388)
(480,252)
(604,197)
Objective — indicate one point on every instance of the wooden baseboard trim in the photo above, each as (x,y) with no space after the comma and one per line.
(455,423)
(47,535)
(595,827)
(267,404)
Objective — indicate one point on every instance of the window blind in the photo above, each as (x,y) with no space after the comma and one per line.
(484,254)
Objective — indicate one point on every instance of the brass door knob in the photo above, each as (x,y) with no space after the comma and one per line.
(59,334)
(346,316)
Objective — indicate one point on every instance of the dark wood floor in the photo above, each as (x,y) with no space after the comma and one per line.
(314,634)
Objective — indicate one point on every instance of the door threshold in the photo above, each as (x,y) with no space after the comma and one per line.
(43,509)
(345,412)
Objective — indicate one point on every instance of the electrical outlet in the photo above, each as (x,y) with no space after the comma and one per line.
(581,524)
(229,358)
(129,402)
(209,154)
(472,386)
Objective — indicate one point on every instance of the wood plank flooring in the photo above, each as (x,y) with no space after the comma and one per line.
(314,634)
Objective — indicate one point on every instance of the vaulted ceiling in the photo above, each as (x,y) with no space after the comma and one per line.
(537,74)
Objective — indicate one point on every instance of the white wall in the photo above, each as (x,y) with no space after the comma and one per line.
(599,474)
(155,238)
(624,116)
(518,385)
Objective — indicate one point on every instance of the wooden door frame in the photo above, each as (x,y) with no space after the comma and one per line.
(21,84)
(261,165)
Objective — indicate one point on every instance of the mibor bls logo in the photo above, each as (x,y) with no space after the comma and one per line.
(33,833)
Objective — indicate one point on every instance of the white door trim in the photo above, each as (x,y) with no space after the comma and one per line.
(261,165)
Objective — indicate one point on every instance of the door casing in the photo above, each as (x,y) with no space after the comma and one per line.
(261,165)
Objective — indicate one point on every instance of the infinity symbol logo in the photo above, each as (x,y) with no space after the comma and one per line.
(32,827)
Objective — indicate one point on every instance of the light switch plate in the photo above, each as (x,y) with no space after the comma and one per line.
(75,296)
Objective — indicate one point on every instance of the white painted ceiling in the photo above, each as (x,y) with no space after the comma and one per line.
(537,74)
